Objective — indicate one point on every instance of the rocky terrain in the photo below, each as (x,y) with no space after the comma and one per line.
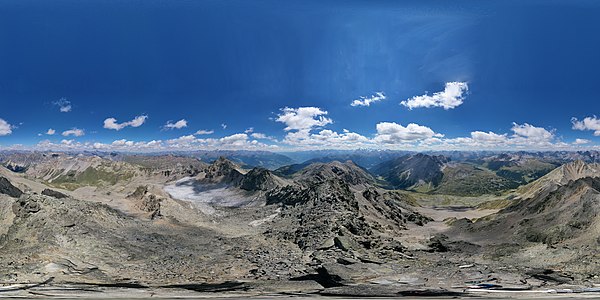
(328,227)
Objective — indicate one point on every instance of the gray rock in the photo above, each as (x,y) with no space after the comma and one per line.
(53,193)
(8,189)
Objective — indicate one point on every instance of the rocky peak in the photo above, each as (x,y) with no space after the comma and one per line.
(578,169)
(347,172)
(258,179)
(561,176)
(221,167)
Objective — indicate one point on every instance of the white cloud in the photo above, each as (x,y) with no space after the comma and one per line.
(223,125)
(525,136)
(63,104)
(121,145)
(303,118)
(204,132)
(50,131)
(111,123)
(5,128)
(588,123)
(327,139)
(581,142)
(123,142)
(249,130)
(259,136)
(262,136)
(392,133)
(451,97)
(73,132)
(238,139)
(100,146)
(177,125)
(488,137)
(366,101)
(532,133)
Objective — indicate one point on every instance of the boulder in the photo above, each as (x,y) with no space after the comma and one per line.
(53,193)
(8,189)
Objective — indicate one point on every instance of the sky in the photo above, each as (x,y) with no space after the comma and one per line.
(295,75)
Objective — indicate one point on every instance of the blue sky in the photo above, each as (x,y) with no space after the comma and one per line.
(517,72)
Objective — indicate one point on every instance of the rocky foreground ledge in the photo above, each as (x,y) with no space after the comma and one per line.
(285,289)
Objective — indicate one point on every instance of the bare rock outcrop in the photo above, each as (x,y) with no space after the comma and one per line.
(146,201)
(258,179)
(53,193)
(7,188)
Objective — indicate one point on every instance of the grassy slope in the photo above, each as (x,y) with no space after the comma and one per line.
(527,171)
(91,177)
(471,180)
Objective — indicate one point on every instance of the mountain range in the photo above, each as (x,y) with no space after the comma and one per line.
(335,226)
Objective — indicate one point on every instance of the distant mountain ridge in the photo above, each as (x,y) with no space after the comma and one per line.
(560,176)
(412,171)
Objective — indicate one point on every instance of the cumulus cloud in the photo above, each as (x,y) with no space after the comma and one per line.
(257,135)
(303,121)
(303,118)
(581,142)
(524,136)
(63,104)
(238,139)
(488,137)
(111,123)
(204,132)
(50,131)
(366,101)
(392,133)
(74,132)
(451,97)
(588,123)
(262,136)
(5,128)
(121,145)
(249,130)
(532,133)
(177,125)
(327,139)
(123,142)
